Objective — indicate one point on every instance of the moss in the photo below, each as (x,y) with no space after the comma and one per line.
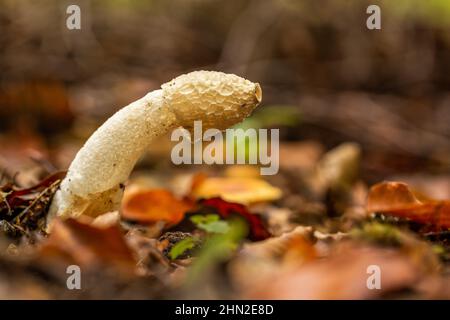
(379,233)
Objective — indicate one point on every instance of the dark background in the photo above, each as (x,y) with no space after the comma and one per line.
(385,89)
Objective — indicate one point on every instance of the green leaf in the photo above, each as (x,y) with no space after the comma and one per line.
(205,219)
(181,247)
(210,223)
(217,248)
(215,227)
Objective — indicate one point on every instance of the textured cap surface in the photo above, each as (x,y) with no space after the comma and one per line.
(220,100)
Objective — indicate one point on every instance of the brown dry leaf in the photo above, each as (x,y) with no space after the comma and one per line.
(153,205)
(21,153)
(260,261)
(88,246)
(291,246)
(343,275)
(397,199)
(151,260)
(239,190)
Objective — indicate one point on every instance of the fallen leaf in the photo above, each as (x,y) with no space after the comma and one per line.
(87,246)
(171,238)
(22,210)
(398,200)
(215,250)
(153,205)
(292,246)
(20,155)
(149,253)
(271,257)
(181,247)
(226,209)
(45,183)
(210,223)
(240,190)
(343,275)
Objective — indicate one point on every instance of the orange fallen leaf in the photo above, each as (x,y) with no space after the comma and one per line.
(239,190)
(153,205)
(88,246)
(397,199)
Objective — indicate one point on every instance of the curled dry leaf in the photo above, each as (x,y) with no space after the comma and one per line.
(259,261)
(150,258)
(11,196)
(291,246)
(398,200)
(88,246)
(237,189)
(153,205)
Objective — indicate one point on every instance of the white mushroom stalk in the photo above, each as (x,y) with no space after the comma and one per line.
(95,179)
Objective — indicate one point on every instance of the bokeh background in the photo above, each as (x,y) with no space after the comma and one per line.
(326,78)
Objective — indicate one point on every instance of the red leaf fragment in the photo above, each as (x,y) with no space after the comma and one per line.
(17,202)
(228,209)
(15,195)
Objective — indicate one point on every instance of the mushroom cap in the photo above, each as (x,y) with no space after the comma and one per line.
(218,99)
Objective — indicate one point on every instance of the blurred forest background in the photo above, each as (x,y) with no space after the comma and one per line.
(325,76)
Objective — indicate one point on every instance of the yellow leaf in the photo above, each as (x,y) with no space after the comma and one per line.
(241,190)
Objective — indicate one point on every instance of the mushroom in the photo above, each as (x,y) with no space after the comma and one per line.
(95,180)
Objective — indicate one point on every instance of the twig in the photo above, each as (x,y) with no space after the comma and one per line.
(41,194)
